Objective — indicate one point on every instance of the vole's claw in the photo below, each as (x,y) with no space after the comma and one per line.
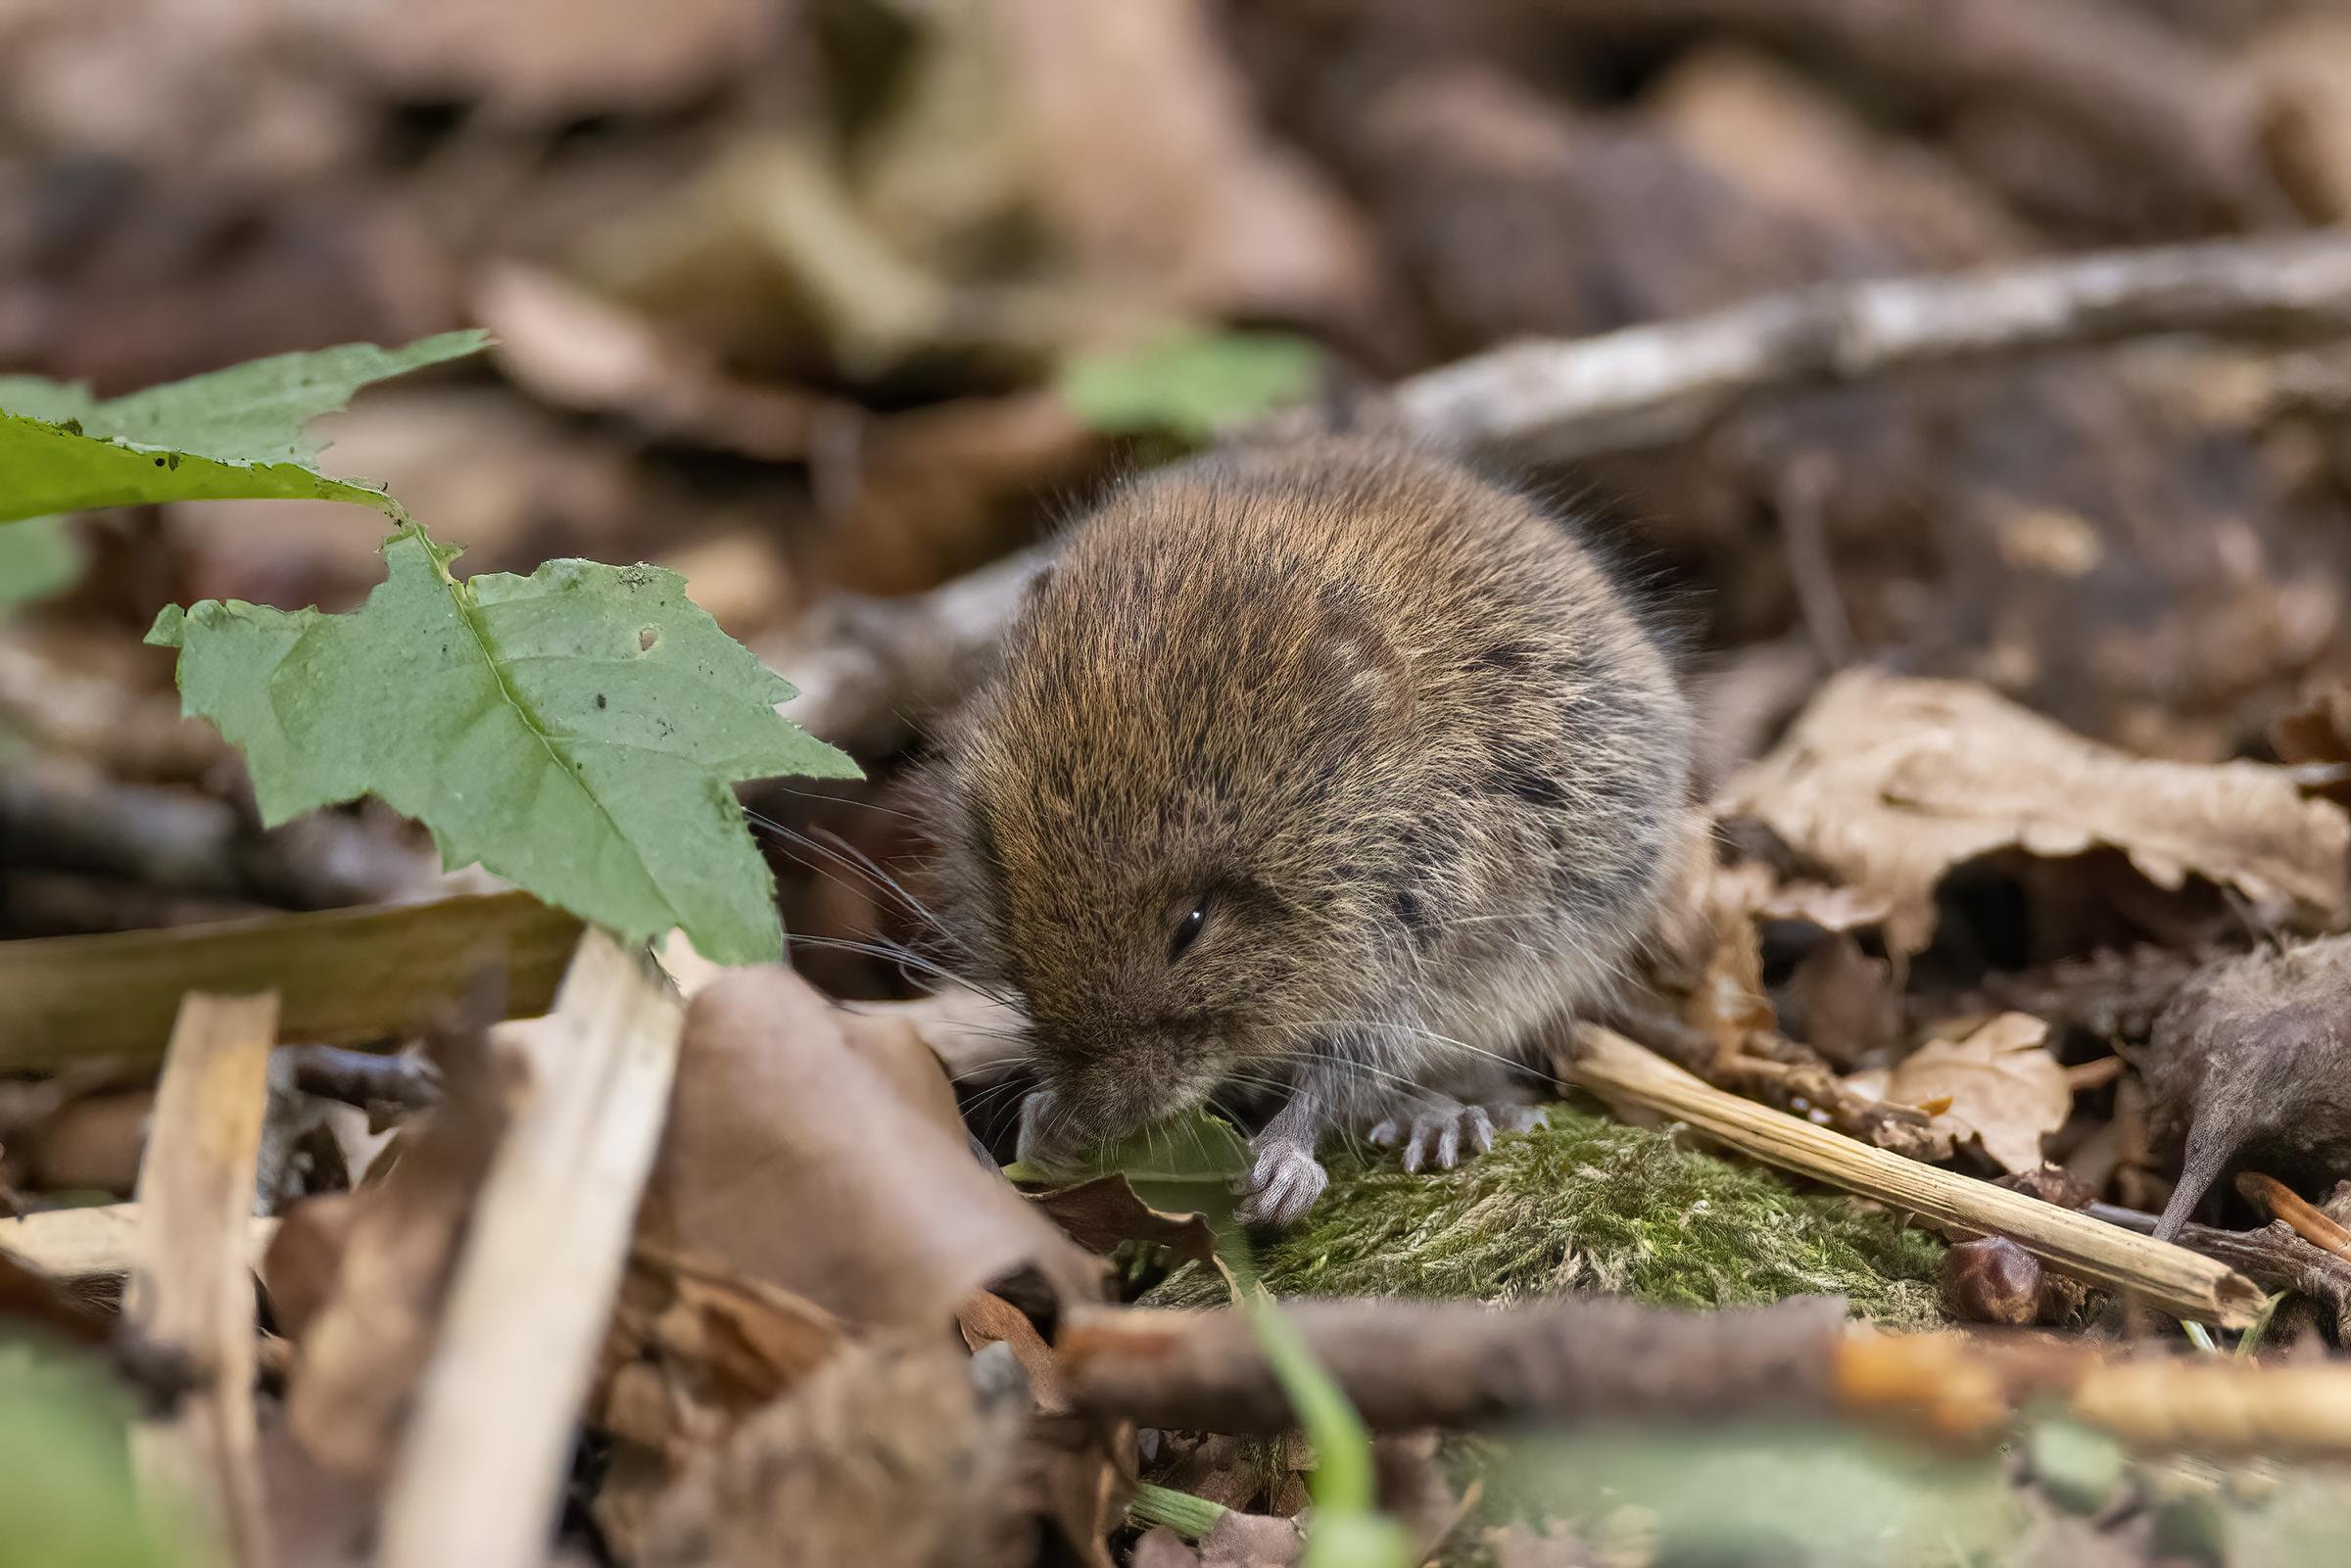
(1435,1135)
(1282,1185)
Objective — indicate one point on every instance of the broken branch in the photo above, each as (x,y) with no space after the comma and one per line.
(1407,1365)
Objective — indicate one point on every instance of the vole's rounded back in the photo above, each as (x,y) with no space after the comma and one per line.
(1326,762)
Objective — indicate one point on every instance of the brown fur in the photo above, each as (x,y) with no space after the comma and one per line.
(1396,723)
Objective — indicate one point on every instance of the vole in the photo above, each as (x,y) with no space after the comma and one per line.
(1331,768)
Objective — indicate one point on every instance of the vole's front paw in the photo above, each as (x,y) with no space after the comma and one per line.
(1437,1134)
(1282,1185)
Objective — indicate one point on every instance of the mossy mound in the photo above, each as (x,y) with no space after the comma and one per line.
(1590,1205)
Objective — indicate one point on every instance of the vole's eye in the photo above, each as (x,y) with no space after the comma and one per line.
(1187,929)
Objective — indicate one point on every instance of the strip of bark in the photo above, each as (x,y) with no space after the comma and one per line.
(192,1295)
(482,1464)
(346,977)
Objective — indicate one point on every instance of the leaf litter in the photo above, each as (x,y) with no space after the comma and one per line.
(806,287)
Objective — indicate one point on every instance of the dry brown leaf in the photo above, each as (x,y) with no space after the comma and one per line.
(886,1457)
(819,1150)
(1890,783)
(1842,1001)
(365,1274)
(1100,1213)
(989,1320)
(1998,1086)
(694,1347)
(578,349)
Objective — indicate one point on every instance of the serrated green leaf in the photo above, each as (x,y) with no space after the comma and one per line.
(50,468)
(37,559)
(576,731)
(235,433)
(1190,383)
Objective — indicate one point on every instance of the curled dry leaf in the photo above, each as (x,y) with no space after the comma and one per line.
(819,1150)
(989,1320)
(2253,1058)
(1997,1086)
(1100,1213)
(1891,783)
(888,1456)
(695,1348)
(360,1277)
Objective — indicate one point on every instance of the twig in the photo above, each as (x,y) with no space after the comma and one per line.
(1648,386)
(193,1291)
(2172,1278)
(2305,1219)
(72,816)
(482,1464)
(344,976)
(870,670)
(362,1079)
(2273,1257)
(1406,1366)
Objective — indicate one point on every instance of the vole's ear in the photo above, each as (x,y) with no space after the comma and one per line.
(1362,663)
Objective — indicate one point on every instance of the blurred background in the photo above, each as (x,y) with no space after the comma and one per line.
(788,295)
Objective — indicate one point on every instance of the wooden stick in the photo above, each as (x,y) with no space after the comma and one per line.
(481,1465)
(1648,386)
(346,977)
(193,1291)
(2172,1278)
(2304,1218)
(98,1242)
(1409,1366)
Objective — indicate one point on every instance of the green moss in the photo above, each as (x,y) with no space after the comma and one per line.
(1590,1205)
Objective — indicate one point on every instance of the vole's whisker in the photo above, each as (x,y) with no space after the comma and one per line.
(898,953)
(859,857)
(871,879)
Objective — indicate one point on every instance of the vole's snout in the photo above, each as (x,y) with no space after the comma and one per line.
(1068,1117)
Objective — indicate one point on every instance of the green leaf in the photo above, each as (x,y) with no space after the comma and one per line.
(1190,383)
(37,559)
(576,731)
(234,433)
